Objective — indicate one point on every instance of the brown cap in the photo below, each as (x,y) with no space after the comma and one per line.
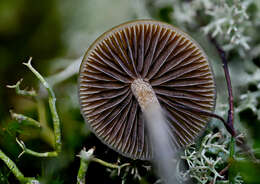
(164,57)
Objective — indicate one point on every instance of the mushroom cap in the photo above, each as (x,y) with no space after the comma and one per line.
(169,60)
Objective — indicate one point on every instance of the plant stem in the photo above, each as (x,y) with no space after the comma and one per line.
(201,112)
(230,121)
(231,174)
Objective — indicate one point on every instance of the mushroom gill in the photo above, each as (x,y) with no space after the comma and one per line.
(157,55)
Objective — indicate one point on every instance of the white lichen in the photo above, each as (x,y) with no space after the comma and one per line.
(204,163)
(227,20)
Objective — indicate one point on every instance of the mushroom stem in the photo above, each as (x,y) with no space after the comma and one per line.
(158,130)
(144,93)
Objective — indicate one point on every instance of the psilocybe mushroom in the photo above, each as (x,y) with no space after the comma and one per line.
(135,66)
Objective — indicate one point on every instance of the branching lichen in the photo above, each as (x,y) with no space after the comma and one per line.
(85,156)
(226,20)
(20,118)
(14,169)
(229,21)
(209,162)
(88,156)
(202,167)
(31,93)
(54,114)
(52,105)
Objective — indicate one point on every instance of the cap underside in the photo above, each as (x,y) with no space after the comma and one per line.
(174,65)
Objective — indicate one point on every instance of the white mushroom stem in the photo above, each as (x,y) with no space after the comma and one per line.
(158,130)
(144,94)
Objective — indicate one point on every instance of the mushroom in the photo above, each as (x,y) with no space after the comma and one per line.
(137,65)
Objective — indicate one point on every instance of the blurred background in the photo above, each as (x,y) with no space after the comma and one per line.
(57,33)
